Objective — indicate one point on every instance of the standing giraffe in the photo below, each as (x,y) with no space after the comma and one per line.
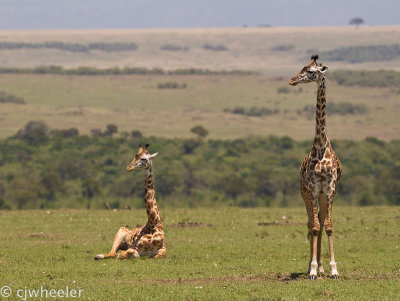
(147,240)
(320,172)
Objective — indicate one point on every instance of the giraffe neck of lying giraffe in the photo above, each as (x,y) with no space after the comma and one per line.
(153,214)
(321,140)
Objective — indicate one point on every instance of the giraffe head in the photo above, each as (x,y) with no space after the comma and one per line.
(142,159)
(313,72)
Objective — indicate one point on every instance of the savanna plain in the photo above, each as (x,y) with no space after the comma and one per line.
(221,252)
(213,254)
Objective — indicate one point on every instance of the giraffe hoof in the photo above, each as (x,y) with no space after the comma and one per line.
(98,257)
(335,276)
(313,277)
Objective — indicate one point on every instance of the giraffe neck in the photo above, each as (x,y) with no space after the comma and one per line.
(153,213)
(321,140)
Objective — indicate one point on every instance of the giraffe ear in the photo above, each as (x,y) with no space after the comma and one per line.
(153,155)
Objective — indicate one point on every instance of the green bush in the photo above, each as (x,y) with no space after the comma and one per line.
(171,47)
(359,54)
(341,108)
(9,98)
(283,90)
(82,171)
(35,132)
(72,47)
(215,47)
(199,131)
(252,111)
(171,85)
(283,48)
(118,71)
(381,78)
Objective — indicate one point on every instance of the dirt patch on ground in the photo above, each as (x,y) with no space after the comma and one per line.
(189,224)
(279,224)
(40,235)
(262,278)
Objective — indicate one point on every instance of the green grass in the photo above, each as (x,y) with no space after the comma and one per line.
(230,257)
(135,103)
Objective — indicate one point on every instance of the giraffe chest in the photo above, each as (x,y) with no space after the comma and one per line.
(318,170)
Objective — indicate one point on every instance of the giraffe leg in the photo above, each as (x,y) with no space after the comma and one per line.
(314,236)
(321,218)
(328,229)
(131,252)
(119,241)
(161,253)
(309,207)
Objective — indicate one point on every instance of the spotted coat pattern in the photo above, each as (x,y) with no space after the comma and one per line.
(319,174)
(147,240)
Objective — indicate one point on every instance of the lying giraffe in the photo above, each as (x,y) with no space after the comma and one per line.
(320,173)
(147,240)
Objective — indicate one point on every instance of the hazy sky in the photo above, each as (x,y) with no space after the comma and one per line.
(77,14)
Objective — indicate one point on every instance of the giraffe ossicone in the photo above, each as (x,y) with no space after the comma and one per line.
(320,173)
(147,240)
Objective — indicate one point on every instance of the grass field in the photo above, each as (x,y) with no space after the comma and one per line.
(248,48)
(135,102)
(231,254)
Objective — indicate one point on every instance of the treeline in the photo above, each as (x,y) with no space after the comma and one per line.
(252,111)
(332,108)
(73,47)
(58,70)
(44,168)
(380,78)
(360,54)
(340,108)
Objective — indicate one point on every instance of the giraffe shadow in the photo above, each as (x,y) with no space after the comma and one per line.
(294,276)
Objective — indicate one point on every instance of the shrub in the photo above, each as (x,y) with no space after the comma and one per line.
(73,47)
(283,90)
(359,54)
(171,47)
(189,145)
(215,47)
(341,108)
(283,48)
(35,132)
(135,134)
(381,78)
(232,186)
(9,98)
(199,131)
(68,133)
(110,130)
(51,184)
(252,111)
(171,85)
(91,188)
